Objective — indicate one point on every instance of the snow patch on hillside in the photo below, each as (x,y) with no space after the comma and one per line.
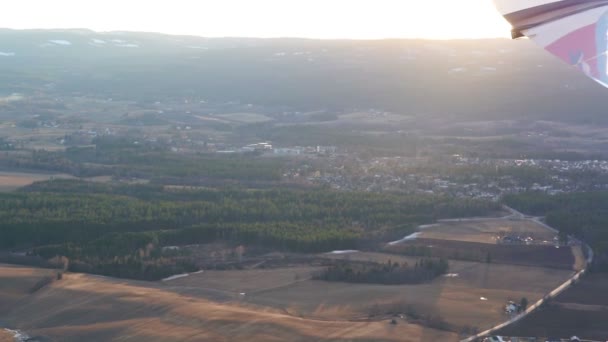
(344,252)
(410,237)
(183,275)
(177,276)
(127,45)
(60,42)
(18,335)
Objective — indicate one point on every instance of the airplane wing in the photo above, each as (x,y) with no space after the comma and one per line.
(576,31)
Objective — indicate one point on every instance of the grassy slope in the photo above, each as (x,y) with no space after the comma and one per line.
(15,284)
(82,307)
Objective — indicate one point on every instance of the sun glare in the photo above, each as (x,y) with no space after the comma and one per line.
(356,19)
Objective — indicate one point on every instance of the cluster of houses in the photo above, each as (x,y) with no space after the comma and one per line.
(516,240)
(513,308)
(522,339)
(267,149)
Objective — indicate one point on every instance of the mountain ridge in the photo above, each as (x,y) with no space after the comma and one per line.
(464,79)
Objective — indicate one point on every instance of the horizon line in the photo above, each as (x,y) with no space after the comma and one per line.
(252,37)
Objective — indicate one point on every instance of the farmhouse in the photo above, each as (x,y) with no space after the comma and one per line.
(512,308)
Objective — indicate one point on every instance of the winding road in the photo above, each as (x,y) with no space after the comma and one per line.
(550,295)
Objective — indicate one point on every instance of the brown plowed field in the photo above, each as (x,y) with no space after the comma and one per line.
(88,308)
(527,255)
(580,311)
(487,231)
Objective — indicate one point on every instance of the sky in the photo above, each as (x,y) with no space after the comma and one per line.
(325,19)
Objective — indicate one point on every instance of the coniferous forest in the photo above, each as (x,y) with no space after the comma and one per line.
(583,215)
(120,230)
(390,273)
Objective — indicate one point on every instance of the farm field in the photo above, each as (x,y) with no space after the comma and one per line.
(487,231)
(589,291)
(246,281)
(10,181)
(527,255)
(582,310)
(456,299)
(373,257)
(5,336)
(16,282)
(89,308)
(274,297)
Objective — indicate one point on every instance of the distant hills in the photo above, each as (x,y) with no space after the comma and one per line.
(455,80)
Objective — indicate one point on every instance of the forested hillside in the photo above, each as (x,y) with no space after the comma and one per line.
(410,77)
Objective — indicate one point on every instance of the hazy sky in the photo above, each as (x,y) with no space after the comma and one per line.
(437,19)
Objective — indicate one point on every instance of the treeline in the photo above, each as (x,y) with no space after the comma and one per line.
(583,215)
(285,236)
(150,269)
(103,228)
(148,262)
(149,163)
(390,273)
(126,255)
(86,211)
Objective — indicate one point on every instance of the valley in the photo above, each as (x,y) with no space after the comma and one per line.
(277,298)
(175,188)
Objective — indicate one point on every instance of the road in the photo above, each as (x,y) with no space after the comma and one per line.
(550,295)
